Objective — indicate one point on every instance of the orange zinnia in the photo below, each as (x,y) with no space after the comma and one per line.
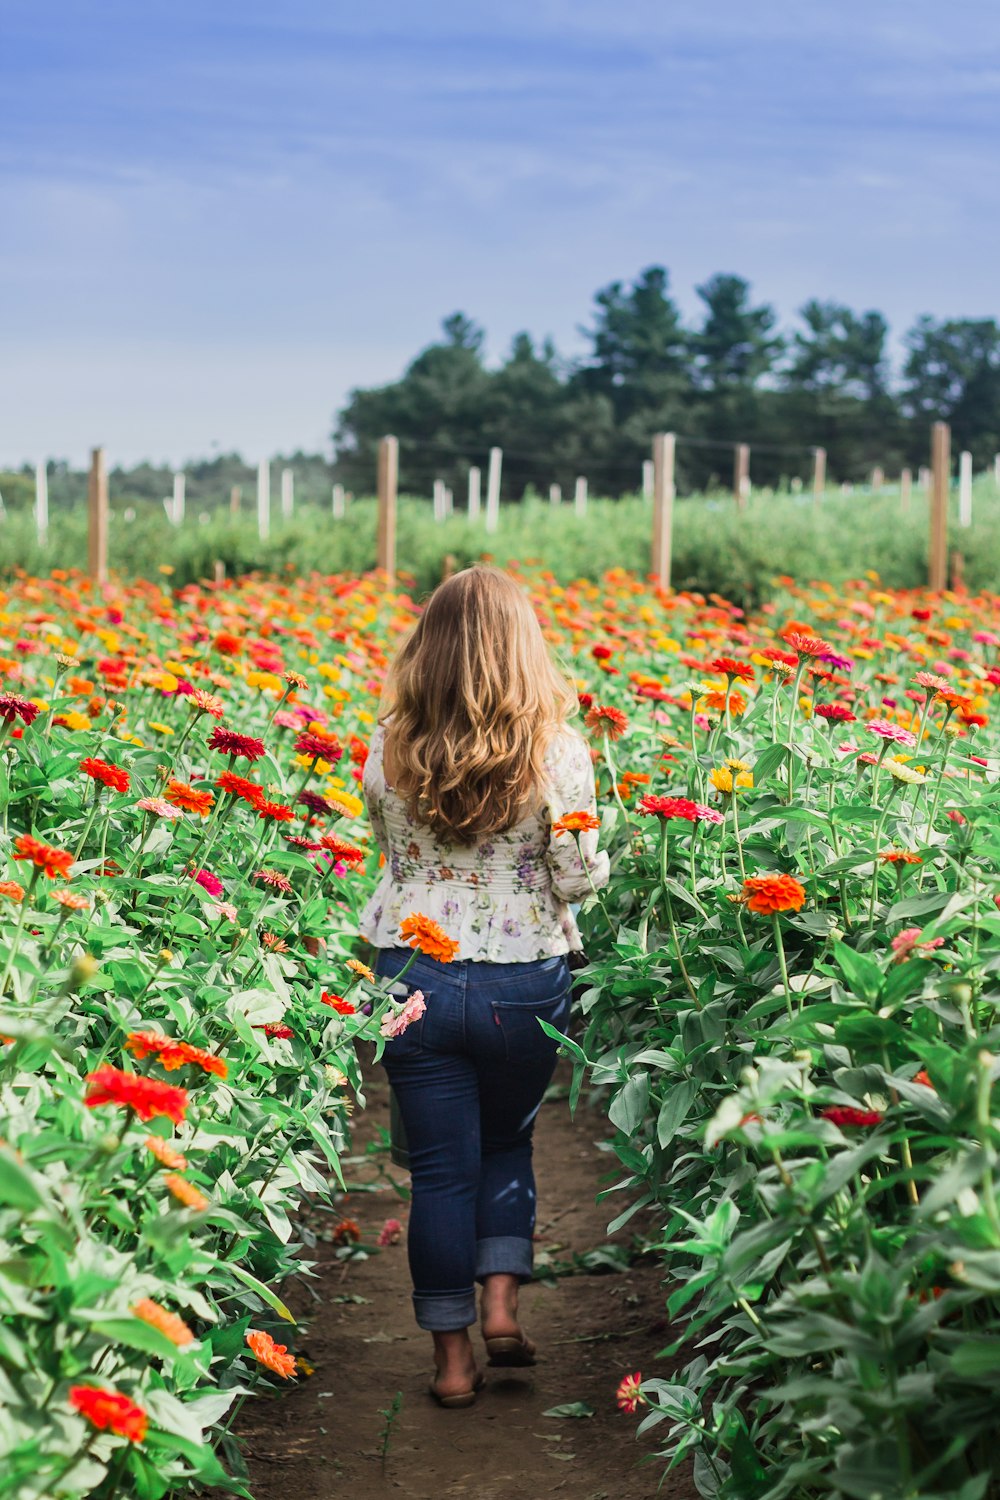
(112,1410)
(165,1153)
(576,822)
(274,1356)
(185,1192)
(185,796)
(168,1323)
(768,894)
(427,937)
(43,856)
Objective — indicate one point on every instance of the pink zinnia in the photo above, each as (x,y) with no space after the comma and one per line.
(159,806)
(888,731)
(394,1024)
(389,1233)
(835,711)
(209,882)
(275,880)
(222,909)
(708,814)
(629,1393)
(908,942)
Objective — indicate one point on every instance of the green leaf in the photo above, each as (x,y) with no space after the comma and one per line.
(17,1185)
(234,1268)
(674,1110)
(863,974)
(628,1108)
(571,1409)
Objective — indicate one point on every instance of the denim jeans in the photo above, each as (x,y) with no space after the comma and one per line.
(469,1077)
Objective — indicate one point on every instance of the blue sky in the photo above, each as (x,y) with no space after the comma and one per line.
(218,217)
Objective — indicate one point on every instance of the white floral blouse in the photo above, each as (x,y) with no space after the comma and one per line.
(505,899)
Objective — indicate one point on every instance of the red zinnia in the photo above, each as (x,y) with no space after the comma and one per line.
(842,1114)
(103,771)
(319,746)
(231,743)
(606,720)
(835,711)
(240,786)
(727,666)
(338,1003)
(341,849)
(807,645)
(13,706)
(109,1411)
(209,882)
(653,806)
(54,862)
(147,1096)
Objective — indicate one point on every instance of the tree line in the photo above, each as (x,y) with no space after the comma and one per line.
(732,376)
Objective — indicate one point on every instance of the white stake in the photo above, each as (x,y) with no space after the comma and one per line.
(439,499)
(475,485)
(42,504)
(580,496)
(965,489)
(996,470)
(647,479)
(287,493)
(878,478)
(177,503)
(263,500)
(555,494)
(493,489)
(338,502)
(449,501)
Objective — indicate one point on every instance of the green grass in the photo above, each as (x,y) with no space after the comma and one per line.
(716,548)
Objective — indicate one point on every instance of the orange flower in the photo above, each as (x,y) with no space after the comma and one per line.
(168,1323)
(347,1232)
(425,935)
(899,857)
(172,1054)
(165,1153)
(44,856)
(768,894)
(109,1411)
(107,774)
(362,970)
(70,899)
(185,796)
(606,720)
(147,1096)
(11,889)
(185,1192)
(274,1356)
(576,822)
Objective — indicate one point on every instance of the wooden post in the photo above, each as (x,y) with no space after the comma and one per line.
(263,500)
(220,572)
(555,494)
(957,571)
(388,476)
(493,489)
(42,504)
(448,566)
(580,496)
(287,494)
(819,473)
(905,488)
(439,499)
(475,491)
(878,477)
(940,476)
(965,489)
(664,449)
(741,475)
(177,500)
(339,507)
(235,499)
(97,505)
(647,479)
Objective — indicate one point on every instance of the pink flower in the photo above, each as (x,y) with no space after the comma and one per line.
(955,816)
(222,909)
(159,806)
(629,1393)
(908,942)
(708,814)
(286,719)
(395,1023)
(887,731)
(389,1233)
(209,882)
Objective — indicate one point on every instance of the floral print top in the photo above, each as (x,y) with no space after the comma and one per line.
(505,899)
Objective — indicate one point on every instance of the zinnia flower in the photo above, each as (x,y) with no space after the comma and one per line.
(341,849)
(318,745)
(338,1003)
(51,861)
(13,706)
(109,1411)
(12,890)
(769,894)
(394,1023)
(206,703)
(230,743)
(906,774)
(362,970)
(389,1233)
(807,645)
(274,1356)
(168,1323)
(888,731)
(835,711)
(185,1192)
(277,812)
(606,720)
(653,806)
(908,942)
(173,1054)
(159,807)
(146,1096)
(183,795)
(629,1393)
(576,822)
(107,774)
(723,780)
(727,666)
(841,1114)
(209,882)
(274,879)
(70,899)
(240,786)
(425,935)
(165,1153)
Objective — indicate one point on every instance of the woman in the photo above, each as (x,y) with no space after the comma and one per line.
(470,768)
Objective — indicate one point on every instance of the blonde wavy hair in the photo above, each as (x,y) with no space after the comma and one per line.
(471,703)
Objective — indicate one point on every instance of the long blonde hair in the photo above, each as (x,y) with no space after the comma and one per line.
(471,703)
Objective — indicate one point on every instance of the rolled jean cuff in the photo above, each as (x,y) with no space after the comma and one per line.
(444,1312)
(506,1254)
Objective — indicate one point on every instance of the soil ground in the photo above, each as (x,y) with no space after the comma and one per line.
(323,1438)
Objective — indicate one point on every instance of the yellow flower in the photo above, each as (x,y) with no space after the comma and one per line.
(722,779)
(345,804)
(905,774)
(737,765)
(158,727)
(265,681)
(41,704)
(74,720)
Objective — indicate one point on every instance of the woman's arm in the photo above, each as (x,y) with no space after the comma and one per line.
(575,862)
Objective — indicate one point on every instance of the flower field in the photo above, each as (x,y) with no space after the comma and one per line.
(790,1006)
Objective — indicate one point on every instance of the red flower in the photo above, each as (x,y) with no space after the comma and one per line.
(600,652)
(835,711)
(653,806)
(172,1054)
(109,1411)
(338,1003)
(227,644)
(54,862)
(231,743)
(276,881)
(13,706)
(629,1393)
(103,771)
(240,786)
(727,666)
(277,1030)
(209,882)
(147,1096)
(806,645)
(606,720)
(341,849)
(278,812)
(842,1114)
(319,746)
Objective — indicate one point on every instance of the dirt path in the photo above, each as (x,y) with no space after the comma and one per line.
(323,1439)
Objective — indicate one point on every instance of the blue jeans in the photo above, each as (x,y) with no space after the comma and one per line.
(469,1077)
